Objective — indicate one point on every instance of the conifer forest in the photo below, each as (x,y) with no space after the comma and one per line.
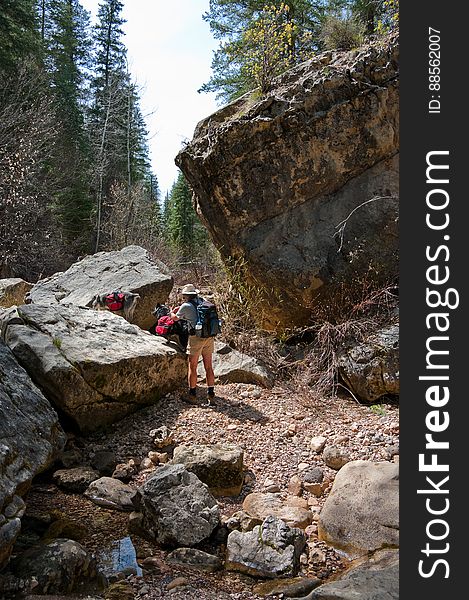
(75,170)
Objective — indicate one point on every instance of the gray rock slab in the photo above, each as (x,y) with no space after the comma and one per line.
(30,439)
(194,558)
(130,269)
(271,549)
(232,366)
(95,366)
(111,493)
(371,580)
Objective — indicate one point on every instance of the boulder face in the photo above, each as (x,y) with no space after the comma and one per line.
(371,368)
(92,365)
(177,508)
(363,493)
(13,291)
(30,437)
(130,269)
(231,366)
(301,186)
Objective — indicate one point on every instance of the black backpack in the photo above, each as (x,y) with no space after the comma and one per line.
(208,322)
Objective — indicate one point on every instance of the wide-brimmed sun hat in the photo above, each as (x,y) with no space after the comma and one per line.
(189,290)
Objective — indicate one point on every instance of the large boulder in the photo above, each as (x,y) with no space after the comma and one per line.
(301,185)
(130,269)
(220,466)
(177,508)
(30,438)
(62,566)
(271,549)
(376,578)
(232,366)
(371,368)
(13,291)
(361,514)
(93,365)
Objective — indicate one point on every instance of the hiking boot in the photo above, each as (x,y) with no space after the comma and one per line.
(190,397)
(210,398)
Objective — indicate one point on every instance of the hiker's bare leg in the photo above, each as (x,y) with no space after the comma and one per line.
(209,374)
(192,372)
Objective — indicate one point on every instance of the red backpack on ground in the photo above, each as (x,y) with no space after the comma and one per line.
(115,301)
(164,325)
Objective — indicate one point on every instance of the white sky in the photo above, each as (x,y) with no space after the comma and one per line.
(170,52)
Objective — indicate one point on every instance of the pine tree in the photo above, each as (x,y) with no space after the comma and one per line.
(263,36)
(118,131)
(184,230)
(67,48)
(19,36)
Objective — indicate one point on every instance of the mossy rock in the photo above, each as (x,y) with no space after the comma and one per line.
(120,590)
(65,528)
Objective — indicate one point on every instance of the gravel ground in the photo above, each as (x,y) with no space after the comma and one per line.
(274,428)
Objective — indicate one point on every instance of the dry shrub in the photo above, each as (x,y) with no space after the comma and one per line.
(342,33)
(352,315)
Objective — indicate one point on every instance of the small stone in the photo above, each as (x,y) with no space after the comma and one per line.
(295,486)
(163,457)
(313,488)
(316,556)
(317,443)
(342,439)
(161,436)
(302,466)
(313,475)
(154,457)
(271,486)
(335,457)
(311,529)
(177,582)
(146,464)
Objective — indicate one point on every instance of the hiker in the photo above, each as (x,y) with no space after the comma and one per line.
(197,345)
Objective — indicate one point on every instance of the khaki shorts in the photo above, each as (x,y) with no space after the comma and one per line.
(198,346)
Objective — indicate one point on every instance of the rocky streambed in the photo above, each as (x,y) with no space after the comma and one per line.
(284,455)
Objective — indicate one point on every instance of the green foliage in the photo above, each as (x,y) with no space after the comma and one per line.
(66,49)
(117,129)
(19,37)
(260,39)
(184,230)
(74,162)
(342,33)
(268,46)
(389,18)
(378,409)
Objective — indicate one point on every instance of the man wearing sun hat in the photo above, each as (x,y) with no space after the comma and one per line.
(197,346)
